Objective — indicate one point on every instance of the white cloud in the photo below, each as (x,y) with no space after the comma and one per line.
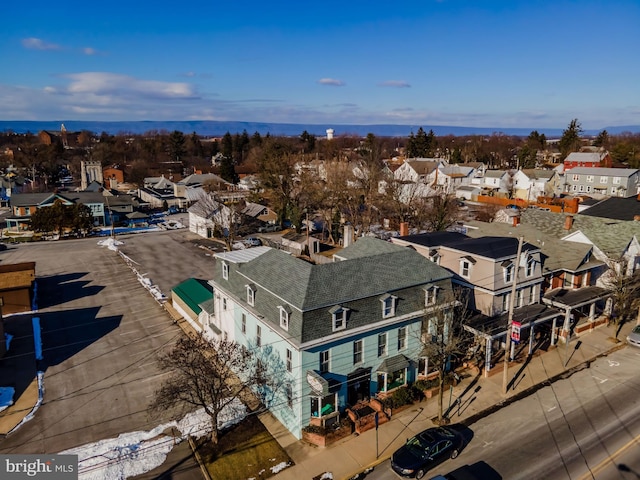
(396,84)
(103,83)
(332,82)
(33,43)
(89,51)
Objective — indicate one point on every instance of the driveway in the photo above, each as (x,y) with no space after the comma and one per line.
(101,333)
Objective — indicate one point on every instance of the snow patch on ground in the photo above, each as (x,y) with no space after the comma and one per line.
(135,453)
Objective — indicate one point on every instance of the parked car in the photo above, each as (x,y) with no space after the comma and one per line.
(425,451)
(269,228)
(634,337)
(252,242)
(2,247)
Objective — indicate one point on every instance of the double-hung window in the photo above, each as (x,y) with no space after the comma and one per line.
(285,313)
(338,318)
(388,305)
(382,344)
(324,361)
(402,338)
(357,352)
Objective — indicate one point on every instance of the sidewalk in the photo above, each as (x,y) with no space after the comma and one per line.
(478,396)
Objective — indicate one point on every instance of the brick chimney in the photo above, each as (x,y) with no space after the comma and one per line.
(516,220)
(568,222)
(404,229)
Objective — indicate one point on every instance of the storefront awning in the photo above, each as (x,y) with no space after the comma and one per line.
(320,385)
(393,364)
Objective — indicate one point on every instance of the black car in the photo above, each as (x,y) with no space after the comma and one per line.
(426,450)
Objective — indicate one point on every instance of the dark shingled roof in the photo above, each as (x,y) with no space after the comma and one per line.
(615,208)
(309,286)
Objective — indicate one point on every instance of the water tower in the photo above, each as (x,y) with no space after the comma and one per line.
(329,133)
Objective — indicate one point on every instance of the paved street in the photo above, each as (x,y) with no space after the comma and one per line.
(101,333)
(582,427)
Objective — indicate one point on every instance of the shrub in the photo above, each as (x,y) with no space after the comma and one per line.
(401,396)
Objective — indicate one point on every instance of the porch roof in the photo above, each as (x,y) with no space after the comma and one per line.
(496,326)
(564,298)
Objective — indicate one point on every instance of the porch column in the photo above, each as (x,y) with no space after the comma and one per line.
(487,357)
(531,335)
(567,323)
(553,331)
(592,312)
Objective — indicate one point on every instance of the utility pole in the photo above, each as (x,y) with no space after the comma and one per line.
(507,342)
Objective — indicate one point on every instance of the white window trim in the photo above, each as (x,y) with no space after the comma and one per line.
(392,309)
(284,318)
(530,267)
(225,270)
(386,344)
(251,295)
(402,348)
(508,272)
(361,341)
(469,267)
(431,295)
(339,316)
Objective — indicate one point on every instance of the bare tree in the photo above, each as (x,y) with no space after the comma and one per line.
(443,338)
(625,292)
(215,375)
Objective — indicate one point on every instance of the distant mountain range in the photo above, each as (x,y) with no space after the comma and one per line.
(217,129)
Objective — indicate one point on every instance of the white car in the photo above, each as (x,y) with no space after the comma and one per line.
(634,337)
(252,242)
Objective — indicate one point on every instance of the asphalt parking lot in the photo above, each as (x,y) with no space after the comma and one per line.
(101,333)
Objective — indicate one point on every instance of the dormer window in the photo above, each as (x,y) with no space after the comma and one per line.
(388,305)
(508,269)
(431,295)
(251,294)
(338,318)
(530,267)
(465,266)
(434,256)
(285,314)
(225,270)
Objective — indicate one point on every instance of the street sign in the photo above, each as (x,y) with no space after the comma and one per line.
(515,332)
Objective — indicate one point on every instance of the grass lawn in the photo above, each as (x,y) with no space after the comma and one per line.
(246,451)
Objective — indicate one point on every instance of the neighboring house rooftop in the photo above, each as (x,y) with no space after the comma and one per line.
(609,235)
(606,172)
(589,157)
(494,173)
(423,166)
(538,174)
(557,254)
(616,208)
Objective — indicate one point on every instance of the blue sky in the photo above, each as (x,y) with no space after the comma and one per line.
(475,63)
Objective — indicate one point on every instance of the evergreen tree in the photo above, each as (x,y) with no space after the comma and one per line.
(570,140)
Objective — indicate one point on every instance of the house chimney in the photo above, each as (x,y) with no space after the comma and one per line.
(516,220)
(638,197)
(568,222)
(348,236)
(636,218)
(404,229)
